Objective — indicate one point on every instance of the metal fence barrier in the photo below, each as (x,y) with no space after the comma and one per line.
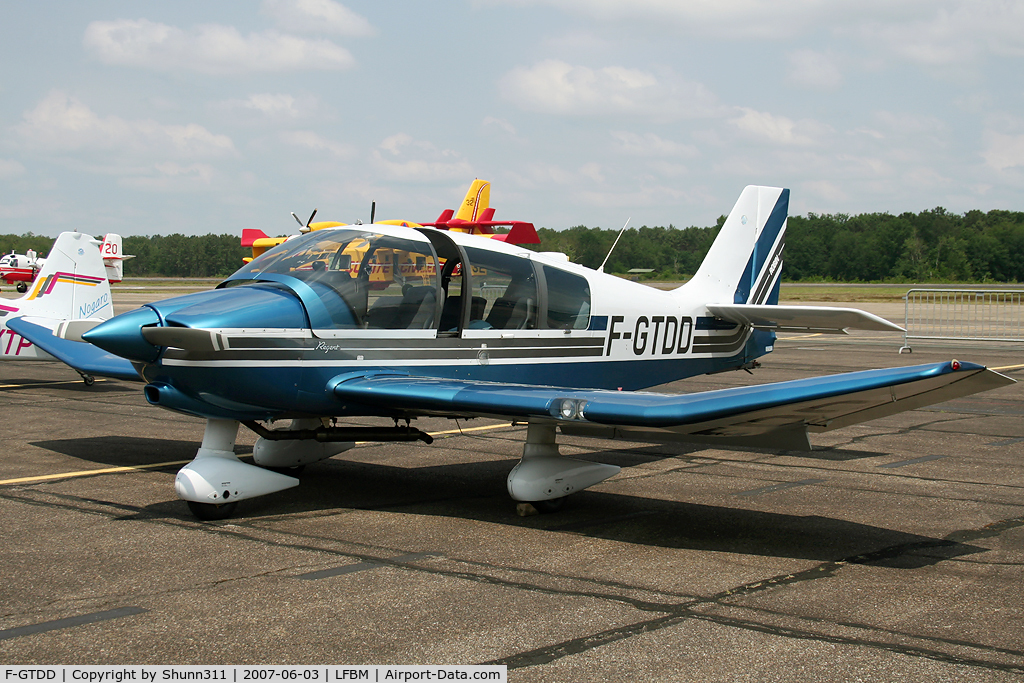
(963,315)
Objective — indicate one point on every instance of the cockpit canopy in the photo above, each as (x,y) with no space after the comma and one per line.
(383,277)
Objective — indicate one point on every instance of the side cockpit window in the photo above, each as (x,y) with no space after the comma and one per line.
(363,279)
(568,299)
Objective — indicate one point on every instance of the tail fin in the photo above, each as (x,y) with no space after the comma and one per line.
(113,257)
(72,284)
(477,199)
(250,235)
(744,264)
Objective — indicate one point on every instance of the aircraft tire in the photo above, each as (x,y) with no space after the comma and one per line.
(21,287)
(89,380)
(209,512)
(548,506)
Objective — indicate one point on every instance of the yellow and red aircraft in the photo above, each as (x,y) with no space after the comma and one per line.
(474,217)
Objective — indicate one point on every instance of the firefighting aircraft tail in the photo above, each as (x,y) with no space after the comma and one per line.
(476,216)
(113,257)
(478,199)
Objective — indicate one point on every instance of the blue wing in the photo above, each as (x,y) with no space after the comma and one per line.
(777,411)
(81,356)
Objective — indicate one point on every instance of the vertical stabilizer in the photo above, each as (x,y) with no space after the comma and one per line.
(477,199)
(745,262)
(72,284)
(113,257)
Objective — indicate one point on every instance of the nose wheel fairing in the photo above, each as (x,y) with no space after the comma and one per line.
(217,477)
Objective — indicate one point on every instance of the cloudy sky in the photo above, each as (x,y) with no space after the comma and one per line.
(149,117)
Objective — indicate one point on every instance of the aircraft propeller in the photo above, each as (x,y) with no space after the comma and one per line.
(304,228)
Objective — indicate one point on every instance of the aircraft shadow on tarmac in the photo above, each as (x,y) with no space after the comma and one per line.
(476,491)
(127,451)
(629,457)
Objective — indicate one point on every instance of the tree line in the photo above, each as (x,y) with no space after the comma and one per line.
(930,246)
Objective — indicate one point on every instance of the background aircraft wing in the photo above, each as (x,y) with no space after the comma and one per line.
(775,415)
(81,356)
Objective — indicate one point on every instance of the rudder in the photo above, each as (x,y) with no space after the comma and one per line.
(477,199)
(72,284)
(744,264)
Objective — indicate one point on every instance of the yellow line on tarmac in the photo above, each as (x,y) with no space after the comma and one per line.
(1008,367)
(155,465)
(86,473)
(802,336)
(47,384)
(471,429)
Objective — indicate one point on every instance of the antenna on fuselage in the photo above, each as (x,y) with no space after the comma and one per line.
(373,210)
(600,268)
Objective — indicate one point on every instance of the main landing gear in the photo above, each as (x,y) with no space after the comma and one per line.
(216,479)
(543,478)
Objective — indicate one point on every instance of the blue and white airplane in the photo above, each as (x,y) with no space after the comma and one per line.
(397,322)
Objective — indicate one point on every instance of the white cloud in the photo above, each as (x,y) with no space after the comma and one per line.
(592,171)
(1004,151)
(317,16)
(556,87)
(210,48)
(491,121)
(777,129)
(403,158)
(778,20)
(62,123)
(655,195)
(310,140)
(171,177)
(824,189)
(930,32)
(904,124)
(814,70)
(273,105)
(650,145)
(535,175)
(955,32)
(9,168)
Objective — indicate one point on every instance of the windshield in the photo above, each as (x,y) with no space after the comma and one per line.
(365,278)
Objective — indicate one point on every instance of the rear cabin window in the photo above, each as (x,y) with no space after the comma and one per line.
(504,291)
(568,300)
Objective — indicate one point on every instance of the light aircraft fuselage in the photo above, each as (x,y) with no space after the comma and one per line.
(401,322)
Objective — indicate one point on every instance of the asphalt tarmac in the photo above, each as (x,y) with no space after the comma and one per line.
(893,552)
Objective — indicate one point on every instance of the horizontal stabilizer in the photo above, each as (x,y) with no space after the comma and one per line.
(814,404)
(825,319)
(85,358)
